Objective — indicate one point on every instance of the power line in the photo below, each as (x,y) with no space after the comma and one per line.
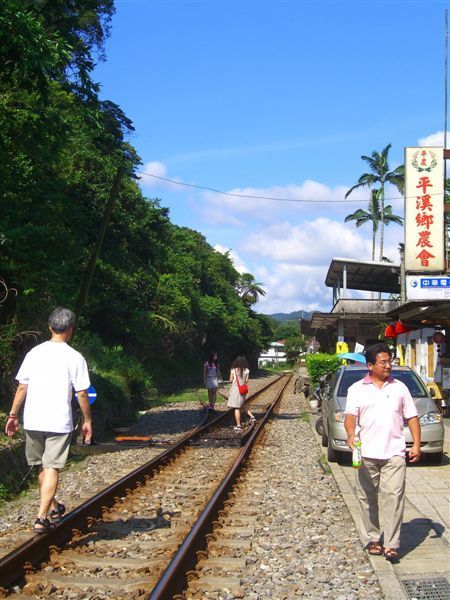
(209,189)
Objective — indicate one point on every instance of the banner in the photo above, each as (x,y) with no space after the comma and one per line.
(424,209)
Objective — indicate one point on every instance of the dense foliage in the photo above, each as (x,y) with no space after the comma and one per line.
(321,364)
(75,230)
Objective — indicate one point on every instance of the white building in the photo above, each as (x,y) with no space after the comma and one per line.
(275,354)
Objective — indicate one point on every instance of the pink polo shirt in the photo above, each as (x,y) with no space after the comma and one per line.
(380,414)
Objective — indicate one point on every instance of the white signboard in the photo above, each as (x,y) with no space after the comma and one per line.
(421,287)
(424,209)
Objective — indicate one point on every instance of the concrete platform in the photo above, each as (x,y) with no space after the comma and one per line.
(425,539)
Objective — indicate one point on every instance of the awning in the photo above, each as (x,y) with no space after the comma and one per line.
(421,312)
(364,275)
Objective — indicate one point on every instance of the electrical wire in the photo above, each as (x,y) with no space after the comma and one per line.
(299,200)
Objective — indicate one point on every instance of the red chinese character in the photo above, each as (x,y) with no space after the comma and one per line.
(424,239)
(424,258)
(424,202)
(424,182)
(424,220)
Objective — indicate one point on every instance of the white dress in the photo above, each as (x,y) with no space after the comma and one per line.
(235,400)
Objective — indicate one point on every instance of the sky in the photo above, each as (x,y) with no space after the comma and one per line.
(274,103)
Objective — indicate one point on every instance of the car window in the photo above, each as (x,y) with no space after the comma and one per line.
(332,383)
(348,379)
(409,378)
(412,382)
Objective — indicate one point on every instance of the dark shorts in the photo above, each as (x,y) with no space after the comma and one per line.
(46,449)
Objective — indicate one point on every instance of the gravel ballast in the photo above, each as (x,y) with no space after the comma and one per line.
(305,545)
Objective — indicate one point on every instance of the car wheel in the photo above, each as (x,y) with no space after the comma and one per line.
(332,454)
(319,425)
(433,459)
(324,437)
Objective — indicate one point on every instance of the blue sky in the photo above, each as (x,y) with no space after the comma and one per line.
(276,99)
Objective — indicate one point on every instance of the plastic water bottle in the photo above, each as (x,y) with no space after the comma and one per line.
(356,455)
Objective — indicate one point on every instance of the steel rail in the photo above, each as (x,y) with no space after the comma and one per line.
(174,579)
(37,549)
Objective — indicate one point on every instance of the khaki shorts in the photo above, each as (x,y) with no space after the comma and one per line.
(47,449)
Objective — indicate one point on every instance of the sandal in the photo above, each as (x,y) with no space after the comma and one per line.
(391,554)
(57,513)
(43,526)
(374,549)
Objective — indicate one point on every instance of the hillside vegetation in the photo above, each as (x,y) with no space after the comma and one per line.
(75,229)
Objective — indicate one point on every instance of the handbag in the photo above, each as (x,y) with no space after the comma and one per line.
(243,389)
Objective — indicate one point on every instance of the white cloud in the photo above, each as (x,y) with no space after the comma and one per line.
(311,243)
(264,205)
(434,139)
(158,169)
(291,261)
(293,287)
(238,263)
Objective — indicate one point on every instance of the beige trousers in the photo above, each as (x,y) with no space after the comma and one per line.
(385,478)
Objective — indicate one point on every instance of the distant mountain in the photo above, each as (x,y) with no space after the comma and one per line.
(293,316)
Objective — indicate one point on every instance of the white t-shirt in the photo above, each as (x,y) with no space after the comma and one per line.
(52,371)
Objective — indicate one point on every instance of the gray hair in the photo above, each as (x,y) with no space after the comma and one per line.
(61,319)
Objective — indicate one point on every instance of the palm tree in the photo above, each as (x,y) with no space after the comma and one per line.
(374,215)
(248,289)
(380,175)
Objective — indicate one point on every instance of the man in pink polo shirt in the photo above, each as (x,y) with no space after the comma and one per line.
(377,405)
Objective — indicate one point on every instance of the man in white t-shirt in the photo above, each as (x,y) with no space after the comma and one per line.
(379,404)
(47,377)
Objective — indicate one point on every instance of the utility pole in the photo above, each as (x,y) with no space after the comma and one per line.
(86,285)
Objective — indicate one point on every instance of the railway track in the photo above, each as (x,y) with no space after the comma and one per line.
(142,536)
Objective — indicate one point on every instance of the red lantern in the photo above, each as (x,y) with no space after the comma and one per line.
(401,328)
(389,332)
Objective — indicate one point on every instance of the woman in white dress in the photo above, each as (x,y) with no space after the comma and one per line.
(211,376)
(239,375)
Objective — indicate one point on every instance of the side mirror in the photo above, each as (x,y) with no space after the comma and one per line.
(432,392)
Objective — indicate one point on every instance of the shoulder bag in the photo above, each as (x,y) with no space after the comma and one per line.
(243,389)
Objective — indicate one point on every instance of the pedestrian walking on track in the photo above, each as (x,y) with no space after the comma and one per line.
(211,377)
(239,377)
(47,378)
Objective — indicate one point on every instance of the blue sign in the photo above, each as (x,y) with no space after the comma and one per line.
(435,282)
(92,394)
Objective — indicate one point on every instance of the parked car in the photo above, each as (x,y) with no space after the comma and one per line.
(334,397)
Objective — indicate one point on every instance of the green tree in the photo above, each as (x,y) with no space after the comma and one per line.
(294,346)
(373,215)
(249,289)
(285,329)
(160,297)
(380,175)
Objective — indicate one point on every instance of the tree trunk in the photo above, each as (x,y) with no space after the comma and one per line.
(382,222)
(85,287)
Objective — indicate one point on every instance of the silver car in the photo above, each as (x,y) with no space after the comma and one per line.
(334,397)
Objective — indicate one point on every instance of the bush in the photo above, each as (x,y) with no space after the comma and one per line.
(319,365)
